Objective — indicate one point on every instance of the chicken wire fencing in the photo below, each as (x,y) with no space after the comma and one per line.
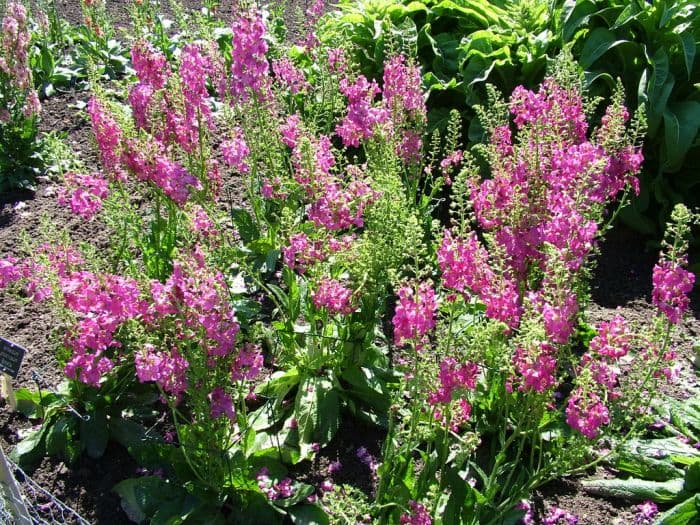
(24,502)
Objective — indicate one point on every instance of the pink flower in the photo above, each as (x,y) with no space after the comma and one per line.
(362,118)
(646,512)
(10,271)
(168,369)
(464,263)
(672,284)
(235,152)
(249,65)
(302,252)
(613,338)
(221,404)
(417,515)
(83,193)
(290,130)
(108,135)
(248,363)
(538,366)
(333,296)
(559,318)
(415,314)
(403,92)
(453,377)
(557,516)
(586,413)
(289,76)
(150,65)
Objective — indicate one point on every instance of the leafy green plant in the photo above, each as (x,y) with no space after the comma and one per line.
(662,469)
(652,47)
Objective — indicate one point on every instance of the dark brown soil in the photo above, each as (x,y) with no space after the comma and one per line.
(622,280)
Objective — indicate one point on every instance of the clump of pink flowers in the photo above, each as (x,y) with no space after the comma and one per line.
(333,296)
(672,284)
(415,314)
(84,193)
(417,515)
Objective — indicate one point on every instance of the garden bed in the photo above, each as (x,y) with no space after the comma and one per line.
(621,284)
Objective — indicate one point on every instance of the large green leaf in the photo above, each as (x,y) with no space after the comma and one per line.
(31,449)
(245,224)
(642,466)
(692,477)
(681,123)
(684,513)
(687,43)
(671,491)
(94,433)
(574,15)
(317,410)
(307,515)
(598,42)
(162,502)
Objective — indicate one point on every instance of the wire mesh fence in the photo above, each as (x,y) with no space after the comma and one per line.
(24,502)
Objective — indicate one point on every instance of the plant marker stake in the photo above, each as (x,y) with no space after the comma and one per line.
(11,356)
(12,496)
(7,392)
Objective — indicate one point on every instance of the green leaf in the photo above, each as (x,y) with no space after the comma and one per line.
(94,433)
(155,499)
(308,515)
(671,448)
(671,491)
(317,410)
(692,477)
(682,514)
(302,492)
(681,123)
(599,41)
(574,14)
(29,452)
(646,467)
(368,387)
(28,402)
(687,42)
(247,229)
(58,435)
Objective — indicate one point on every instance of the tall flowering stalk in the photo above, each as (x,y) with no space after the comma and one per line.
(19,102)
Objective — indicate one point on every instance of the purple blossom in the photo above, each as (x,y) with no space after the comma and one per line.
(417,515)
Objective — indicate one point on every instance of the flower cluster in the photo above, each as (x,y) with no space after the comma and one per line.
(16,89)
(83,193)
(333,296)
(586,413)
(401,108)
(453,377)
(249,65)
(672,284)
(537,365)
(167,369)
(274,490)
(198,297)
(465,267)
(417,515)
(415,314)
(101,303)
